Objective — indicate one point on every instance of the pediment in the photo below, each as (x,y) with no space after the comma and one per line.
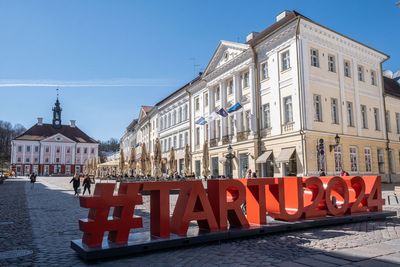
(225,52)
(58,138)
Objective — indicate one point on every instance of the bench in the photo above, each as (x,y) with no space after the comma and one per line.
(396,193)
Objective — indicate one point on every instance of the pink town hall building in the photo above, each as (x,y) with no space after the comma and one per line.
(47,149)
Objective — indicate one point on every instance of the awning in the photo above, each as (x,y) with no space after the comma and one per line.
(264,157)
(285,154)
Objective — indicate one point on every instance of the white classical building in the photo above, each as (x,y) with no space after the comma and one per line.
(47,149)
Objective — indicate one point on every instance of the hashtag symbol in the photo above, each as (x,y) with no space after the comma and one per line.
(122,220)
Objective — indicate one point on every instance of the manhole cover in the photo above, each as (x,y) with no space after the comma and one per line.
(15,254)
(6,223)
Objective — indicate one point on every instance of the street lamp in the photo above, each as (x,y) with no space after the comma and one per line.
(337,142)
(229,158)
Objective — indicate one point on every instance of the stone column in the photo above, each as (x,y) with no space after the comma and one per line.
(238,98)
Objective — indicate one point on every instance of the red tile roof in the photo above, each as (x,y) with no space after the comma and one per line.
(40,132)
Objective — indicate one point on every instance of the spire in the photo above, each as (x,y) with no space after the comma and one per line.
(57,113)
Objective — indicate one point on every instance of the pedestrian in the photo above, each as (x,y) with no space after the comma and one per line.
(249,173)
(75,184)
(321,172)
(344,173)
(254,175)
(32,177)
(86,184)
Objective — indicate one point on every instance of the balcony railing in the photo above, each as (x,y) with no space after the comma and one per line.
(266,132)
(214,142)
(288,127)
(226,139)
(242,136)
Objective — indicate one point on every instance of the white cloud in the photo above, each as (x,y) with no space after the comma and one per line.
(88,83)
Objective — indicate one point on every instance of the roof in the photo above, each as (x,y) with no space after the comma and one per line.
(391,87)
(43,131)
(147,109)
(291,15)
(178,90)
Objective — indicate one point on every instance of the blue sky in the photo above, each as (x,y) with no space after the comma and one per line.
(111,57)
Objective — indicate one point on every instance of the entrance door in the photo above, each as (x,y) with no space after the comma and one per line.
(27,169)
(46,170)
(36,169)
(77,169)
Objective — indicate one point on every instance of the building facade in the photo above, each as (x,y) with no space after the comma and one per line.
(302,99)
(47,149)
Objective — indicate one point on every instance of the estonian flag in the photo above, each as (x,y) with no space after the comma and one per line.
(235,107)
(201,121)
(222,112)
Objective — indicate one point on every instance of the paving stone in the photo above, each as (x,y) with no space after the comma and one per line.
(375,263)
(390,258)
(329,259)
(314,262)
(289,264)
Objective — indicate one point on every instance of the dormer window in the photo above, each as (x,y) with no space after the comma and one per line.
(226,55)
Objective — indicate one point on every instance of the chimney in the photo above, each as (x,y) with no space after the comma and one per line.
(282,15)
(72,123)
(251,36)
(39,121)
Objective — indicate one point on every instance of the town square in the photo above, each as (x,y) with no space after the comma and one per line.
(199,134)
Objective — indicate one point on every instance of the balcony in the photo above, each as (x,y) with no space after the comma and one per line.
(242,136)
(266,132)
(226,139)
(288,127)
(214,142)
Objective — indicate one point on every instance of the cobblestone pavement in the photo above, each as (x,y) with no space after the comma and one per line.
(53,213)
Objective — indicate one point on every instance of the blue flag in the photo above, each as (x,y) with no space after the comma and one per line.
(201,121)
(222,112)
(235,107)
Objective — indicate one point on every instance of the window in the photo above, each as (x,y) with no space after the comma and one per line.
(27,160)
(197,103)
(85,150)
(230,87)
(245,80)
(78,150)
(180,115)
(218,130)
(360,70)
(391,160)
(373,77)
(353,159)
(57,160)
(331,63)
(264,70)
(47,149)
(174,117)
(18,159)
(68,150)
(161,123)
(364,117)
(387,118)
(92,151)
(232,125)
(317,108)
(335,110)
(205,99)
(180,140)
(288,109)
(347,69)
(285,60)
(338,158)
(185,112)
(350,119)
(197,136)
(175,141)
(186,138)
(36,149)
(28,148)
(19,148)
(169,120)
(57,150)
(381,161)
(398,122)
(46,160)
(376,118)
(217,94)
(35,160)
(169,143)
(266,119)
(368,160)
(314,57)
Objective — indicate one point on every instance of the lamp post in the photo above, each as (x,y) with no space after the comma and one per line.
(337,142)
(229,158)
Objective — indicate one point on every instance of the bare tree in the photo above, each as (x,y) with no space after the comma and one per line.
(7,134)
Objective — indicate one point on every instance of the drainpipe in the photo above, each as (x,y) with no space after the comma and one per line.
(258,103)
(386,127)
(300,78)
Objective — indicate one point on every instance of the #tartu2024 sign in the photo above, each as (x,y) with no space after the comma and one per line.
(220,205)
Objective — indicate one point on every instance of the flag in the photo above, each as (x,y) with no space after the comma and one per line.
(201,121)
(235,107)
(138,144)
(213,116)
(222,112)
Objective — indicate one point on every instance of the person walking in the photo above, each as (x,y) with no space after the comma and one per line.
(249,174)
(32,177)
(254,175)
(86,185)
(75,184)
